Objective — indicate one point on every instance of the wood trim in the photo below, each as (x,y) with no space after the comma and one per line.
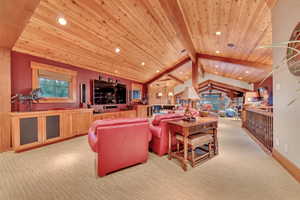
(35,66)
(178,64)
(52,68)
(287,164)
(5,95)
(262,66)
(222,85)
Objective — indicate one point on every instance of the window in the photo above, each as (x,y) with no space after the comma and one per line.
(54,88)
(136,94)
(57,84)
(137,90)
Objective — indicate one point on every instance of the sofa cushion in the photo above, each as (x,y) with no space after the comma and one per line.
(159,118)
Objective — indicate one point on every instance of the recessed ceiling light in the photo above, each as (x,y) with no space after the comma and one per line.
(157,71)
(142,63)
(217,72)
(218,33)
(117,50)
(180,72)
(240,78)
(116,71)
(62,21)
(217,66)
(217,52)
(247,72)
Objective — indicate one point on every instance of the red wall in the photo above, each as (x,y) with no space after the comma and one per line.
(22,75)
(267,83)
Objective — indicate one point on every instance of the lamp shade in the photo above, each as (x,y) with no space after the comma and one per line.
(190,93)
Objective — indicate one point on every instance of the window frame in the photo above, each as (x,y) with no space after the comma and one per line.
(35,66)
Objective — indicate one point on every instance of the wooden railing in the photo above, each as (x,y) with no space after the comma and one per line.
(260,124)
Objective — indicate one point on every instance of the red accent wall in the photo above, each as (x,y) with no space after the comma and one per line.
(267,83)
(22,80)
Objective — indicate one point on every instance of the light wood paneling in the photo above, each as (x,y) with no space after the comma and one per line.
(14,15)
(172,8)
(95,28)
(141,111)
(5,94)
(155,32)
(244,23)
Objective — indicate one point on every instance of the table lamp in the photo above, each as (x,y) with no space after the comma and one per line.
(189,94)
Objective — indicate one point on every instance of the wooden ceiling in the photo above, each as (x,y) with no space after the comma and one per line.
(13,19)
(144,32)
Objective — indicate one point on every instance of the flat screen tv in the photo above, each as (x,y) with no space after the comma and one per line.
(108,93)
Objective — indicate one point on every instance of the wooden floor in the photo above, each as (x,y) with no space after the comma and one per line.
(66,171)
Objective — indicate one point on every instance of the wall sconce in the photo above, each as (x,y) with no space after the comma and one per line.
(170,94)
(159,94)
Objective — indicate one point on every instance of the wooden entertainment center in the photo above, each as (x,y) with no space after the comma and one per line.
(33,129)
(38,128)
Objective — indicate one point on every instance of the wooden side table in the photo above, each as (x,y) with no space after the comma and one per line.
(186,129)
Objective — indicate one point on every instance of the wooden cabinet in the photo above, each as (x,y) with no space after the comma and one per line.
(115,115)
(81,122)
(31,129)
(142,111)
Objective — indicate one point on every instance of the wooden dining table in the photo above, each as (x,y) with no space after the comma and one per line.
(186,128)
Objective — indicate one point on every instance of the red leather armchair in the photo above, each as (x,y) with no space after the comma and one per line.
(119,143)
(160,133)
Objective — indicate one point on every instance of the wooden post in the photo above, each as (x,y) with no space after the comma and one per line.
(5,95)
(195,74)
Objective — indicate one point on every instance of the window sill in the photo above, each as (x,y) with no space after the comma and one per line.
(57,100)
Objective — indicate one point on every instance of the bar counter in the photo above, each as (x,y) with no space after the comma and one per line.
(260,124)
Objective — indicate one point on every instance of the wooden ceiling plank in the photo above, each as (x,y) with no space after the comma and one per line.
(169,70)
(175,16)
(13,19)
(176,78)
(236,61)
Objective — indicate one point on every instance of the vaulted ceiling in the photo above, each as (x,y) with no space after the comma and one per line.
(148,41)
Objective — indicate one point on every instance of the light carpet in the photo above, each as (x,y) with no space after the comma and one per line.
(66,170)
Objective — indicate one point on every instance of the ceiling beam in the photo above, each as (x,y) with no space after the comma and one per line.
(174,13)
(176,79)
(256,65)
(221,85)
(14,15)
(169,70)
(195,74)
(200,66)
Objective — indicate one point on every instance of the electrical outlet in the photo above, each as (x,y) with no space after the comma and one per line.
(286,148)
(277,142)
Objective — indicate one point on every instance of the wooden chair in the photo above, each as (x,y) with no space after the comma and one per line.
(197,141)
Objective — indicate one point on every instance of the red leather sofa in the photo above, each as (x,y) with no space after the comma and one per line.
(119,143)
(160,133)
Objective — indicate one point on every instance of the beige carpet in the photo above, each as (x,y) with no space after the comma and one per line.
(66,171)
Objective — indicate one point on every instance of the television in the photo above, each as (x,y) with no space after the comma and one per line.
(108,93)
